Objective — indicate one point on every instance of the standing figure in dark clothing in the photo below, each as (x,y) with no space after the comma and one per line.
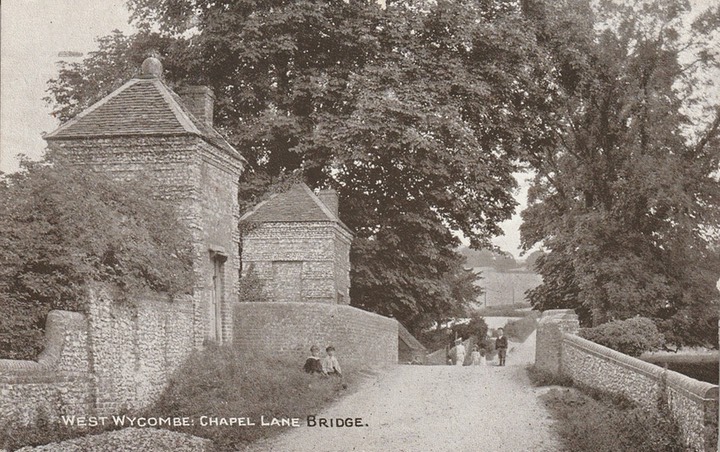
(313,364)
(501,345)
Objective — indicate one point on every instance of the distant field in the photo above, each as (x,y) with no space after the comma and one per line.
(505,288)
(703,368)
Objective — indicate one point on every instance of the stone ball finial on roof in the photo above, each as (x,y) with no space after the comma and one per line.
(152,67)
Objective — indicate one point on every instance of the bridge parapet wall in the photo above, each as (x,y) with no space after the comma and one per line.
(691,403)
(551,326)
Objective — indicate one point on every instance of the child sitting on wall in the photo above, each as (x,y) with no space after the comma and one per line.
(314,364)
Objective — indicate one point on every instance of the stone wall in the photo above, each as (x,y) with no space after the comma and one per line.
(341,267)
(217,237)
(166,163)
(117,356)
(693,404)
(551,326)
(136,348)
(319,249)
(58,383)
(362,339)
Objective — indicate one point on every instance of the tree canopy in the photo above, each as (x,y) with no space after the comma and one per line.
(415,114)
(419,113)
(625,201)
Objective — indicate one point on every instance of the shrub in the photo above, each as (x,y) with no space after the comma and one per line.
(475,327)
(223,381)
(632,336)
(438,338)
(61,228)
(251,288)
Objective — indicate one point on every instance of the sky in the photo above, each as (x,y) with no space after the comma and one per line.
(34,31)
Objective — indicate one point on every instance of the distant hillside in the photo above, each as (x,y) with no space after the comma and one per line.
(485,258)
(503,288)
(497,261)
(503,278)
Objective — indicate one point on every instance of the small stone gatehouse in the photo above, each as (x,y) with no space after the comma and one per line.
(299,247)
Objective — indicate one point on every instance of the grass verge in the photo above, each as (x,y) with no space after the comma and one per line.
(588,420)
(539,377)
(223,382)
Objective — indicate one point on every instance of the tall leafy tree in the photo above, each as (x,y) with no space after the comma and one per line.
(416,114)
(626,195)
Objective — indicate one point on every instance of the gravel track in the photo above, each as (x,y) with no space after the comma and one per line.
(436,408)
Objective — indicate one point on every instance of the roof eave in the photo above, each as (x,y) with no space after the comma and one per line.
(119,135)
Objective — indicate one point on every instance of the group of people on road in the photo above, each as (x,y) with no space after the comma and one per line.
(456,355)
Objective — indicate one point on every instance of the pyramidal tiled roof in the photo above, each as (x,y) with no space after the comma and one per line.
(143,106)
(298,204)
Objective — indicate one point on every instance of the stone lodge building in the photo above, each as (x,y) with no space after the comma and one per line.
(145,129)
(299,247)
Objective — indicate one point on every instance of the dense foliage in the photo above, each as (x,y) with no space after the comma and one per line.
(632,336)
(476,327)
(443,335)
(62,228)
(415,115)
(625,195)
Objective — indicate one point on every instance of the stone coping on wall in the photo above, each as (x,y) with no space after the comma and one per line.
(328,307)
(316,305)
(56,327)
(698,390)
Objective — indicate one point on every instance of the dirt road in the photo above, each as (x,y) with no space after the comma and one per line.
(436,408)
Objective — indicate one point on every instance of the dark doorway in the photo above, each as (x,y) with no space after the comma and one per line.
(218,296)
